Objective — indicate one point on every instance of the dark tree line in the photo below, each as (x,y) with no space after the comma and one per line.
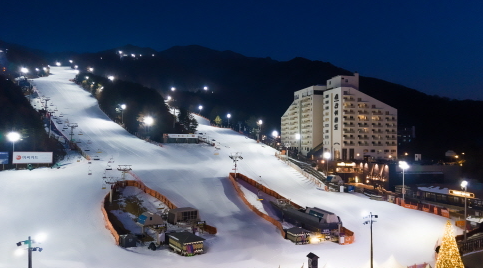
(141,102)
(16,114)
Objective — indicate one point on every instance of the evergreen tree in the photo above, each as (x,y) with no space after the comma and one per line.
(187,121)
(449,256)
(218,120)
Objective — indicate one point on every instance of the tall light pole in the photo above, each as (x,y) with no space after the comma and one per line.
(29,242)
(13,137)
(148,121)
(23,71)
(299,143)
(123,107)
(200,108)
(326,156)
(464,185)
(369,219)
(403,165)
(259,123)
(228,116)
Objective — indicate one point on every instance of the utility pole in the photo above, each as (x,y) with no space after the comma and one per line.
(236,157)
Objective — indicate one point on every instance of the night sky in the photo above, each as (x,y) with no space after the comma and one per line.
(432,46)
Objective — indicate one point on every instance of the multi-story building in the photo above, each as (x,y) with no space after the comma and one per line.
(346,122)
(300,127)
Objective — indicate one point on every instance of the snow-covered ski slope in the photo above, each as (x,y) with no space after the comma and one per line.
(65,202)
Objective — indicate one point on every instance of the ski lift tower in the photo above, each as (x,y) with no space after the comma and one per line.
(236,157)
(124,169)
(72,126)
(46,101)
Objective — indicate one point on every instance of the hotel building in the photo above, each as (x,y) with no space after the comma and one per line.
(342,120)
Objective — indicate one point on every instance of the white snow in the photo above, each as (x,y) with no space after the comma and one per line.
(65,202)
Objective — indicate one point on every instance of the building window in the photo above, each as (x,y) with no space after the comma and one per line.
(373,151)
(386,151)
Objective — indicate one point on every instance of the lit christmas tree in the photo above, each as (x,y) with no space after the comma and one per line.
(449,255)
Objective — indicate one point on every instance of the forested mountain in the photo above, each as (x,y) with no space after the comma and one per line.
(263,88)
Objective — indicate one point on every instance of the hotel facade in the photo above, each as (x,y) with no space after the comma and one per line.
(340,119)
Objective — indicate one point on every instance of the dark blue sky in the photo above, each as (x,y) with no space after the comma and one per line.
(432,46)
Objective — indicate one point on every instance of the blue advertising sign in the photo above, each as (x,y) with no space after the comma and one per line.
(3,157)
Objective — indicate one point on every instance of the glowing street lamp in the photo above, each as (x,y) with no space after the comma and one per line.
(173,88)
(200,108)
(205,88)
(110,77)
(228,116)
(464,185)
(121,109)
(29,243)
(148,121)
(403,165)
(326,156)
(57,63)
(13,137)
(259,123)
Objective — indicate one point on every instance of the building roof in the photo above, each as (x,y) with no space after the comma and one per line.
(182,209)
(185,237)
(312,256)
(297,231)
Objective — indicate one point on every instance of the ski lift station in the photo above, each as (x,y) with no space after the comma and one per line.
(180,138)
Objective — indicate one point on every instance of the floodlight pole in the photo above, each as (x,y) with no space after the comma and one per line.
(30,252)
(369,220)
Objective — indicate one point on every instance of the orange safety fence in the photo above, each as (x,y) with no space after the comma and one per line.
(349,235)
(423,207)
(253,208)
(108,223)
(139,184)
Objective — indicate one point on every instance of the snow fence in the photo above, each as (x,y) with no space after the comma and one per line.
(348,234)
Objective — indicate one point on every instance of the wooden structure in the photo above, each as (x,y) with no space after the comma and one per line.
(185,243)
(149,219)
(186,214)
(298,235)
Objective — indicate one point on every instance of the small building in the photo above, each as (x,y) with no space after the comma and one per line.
(149,219)
(186,214)
(185,243)
(298,235)
(312,219)
(127,240)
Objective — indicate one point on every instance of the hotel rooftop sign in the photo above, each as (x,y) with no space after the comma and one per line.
(462,193)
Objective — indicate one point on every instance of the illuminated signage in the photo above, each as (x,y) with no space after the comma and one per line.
(462,193)
(346,164)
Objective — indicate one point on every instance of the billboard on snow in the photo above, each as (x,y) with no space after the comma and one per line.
(32,158)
